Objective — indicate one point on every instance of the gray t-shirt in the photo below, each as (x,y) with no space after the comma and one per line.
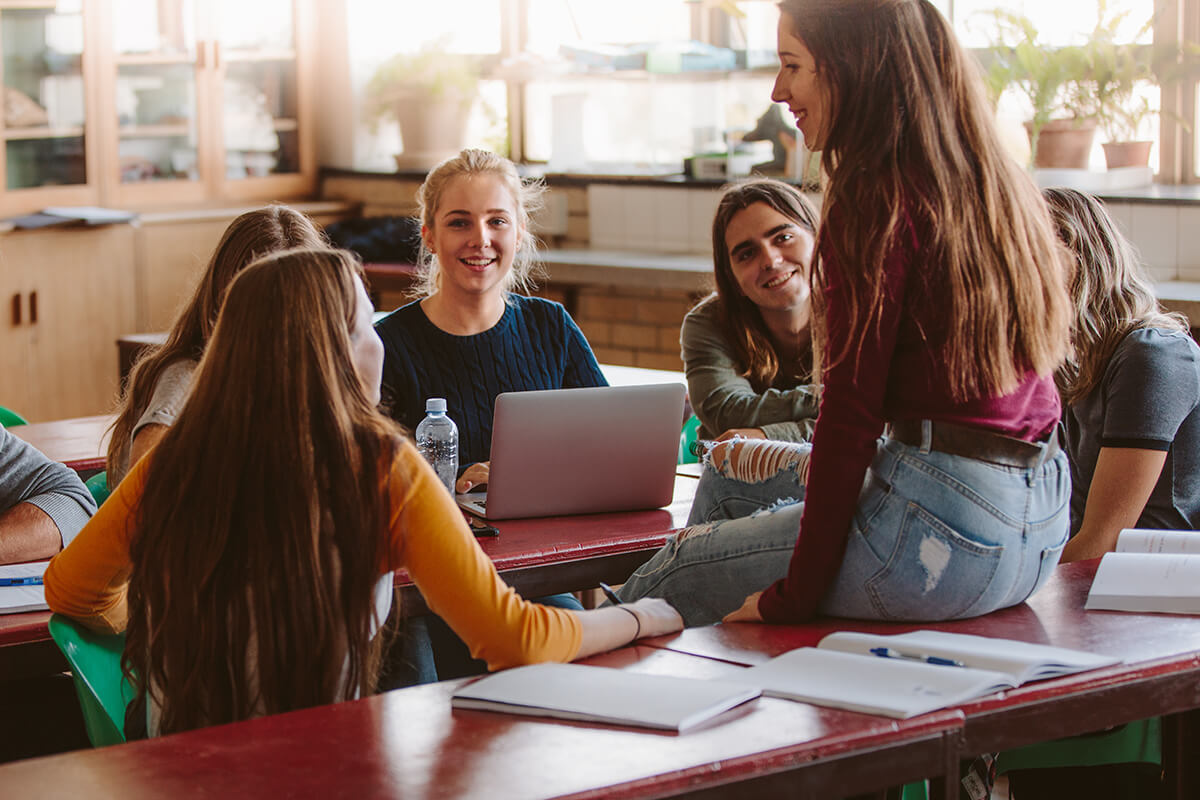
(1147,399)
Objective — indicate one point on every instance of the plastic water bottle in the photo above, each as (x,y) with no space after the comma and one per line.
(437,439)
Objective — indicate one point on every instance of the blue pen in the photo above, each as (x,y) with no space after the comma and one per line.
(887,652)
(33,580)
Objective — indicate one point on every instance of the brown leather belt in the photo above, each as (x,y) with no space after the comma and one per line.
(961,440)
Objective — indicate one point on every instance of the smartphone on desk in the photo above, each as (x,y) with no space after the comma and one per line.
(481,527)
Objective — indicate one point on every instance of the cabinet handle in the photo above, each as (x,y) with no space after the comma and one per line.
(216,55)
(33,308)
(201,59)
(16,310)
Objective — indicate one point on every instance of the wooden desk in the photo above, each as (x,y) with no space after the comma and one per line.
(411,744)
(1160,676)
(79,443)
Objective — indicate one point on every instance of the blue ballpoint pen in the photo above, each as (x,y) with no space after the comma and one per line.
(33,580)
(887,652)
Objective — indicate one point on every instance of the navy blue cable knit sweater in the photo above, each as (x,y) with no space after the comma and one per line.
(535,345)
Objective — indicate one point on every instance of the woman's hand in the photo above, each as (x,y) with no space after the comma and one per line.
(748,612)
(657,616)
(475,475)
(744,433)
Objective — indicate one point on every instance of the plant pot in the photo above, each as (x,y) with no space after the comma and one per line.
(1063,143)
(1127,154)
(433,127)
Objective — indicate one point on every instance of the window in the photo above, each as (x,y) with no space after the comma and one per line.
(639,85)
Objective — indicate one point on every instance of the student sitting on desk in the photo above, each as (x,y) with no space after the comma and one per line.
(159,382)
(941,309)
(250,554)
(43,504)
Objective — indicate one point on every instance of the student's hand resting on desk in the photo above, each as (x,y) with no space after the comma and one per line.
(611,627)
(748,612)
(474,475)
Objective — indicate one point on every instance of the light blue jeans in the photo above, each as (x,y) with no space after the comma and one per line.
(934,537)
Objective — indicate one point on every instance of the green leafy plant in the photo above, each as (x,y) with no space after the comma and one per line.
(429,72)
(1053,79)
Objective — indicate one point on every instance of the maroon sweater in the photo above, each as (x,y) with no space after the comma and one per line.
(896,376)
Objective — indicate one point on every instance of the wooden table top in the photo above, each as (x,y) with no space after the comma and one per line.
(80,443)
(410,743)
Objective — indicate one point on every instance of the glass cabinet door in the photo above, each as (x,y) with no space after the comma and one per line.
(41,43)
(155,50)
(256,46)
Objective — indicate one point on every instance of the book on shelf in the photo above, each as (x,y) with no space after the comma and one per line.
(903,675)
(15,599)
(599,694)
(1154,571)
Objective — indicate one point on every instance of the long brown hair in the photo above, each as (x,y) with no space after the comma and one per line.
(740,320)
(1110,292)
(253,234)
(911,149)
(261,528)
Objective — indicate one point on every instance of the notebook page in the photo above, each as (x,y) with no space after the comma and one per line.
(1151,582)
(1147,540)
(16,599)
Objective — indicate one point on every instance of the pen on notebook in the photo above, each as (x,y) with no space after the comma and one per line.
(610,594)
(887,652)
(33,580)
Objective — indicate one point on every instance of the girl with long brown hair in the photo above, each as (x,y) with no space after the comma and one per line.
(941,311)
(159,381)
(250,553)
(1132,390)
(747,348)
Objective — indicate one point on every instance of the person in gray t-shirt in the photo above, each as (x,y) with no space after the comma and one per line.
(43,504)
(1131,391)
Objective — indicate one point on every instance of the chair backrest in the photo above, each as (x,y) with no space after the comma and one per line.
(11,419)
(98,486)
(95,660)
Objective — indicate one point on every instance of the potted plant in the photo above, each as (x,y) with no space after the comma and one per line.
(1063,125)
(430,93)
(1118,70)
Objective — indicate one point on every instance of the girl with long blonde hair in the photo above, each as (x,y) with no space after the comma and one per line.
(250,554)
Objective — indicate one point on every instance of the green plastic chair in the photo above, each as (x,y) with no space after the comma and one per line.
(1137,742)
(95,660)
(98,486)
(10,418)
(687,438)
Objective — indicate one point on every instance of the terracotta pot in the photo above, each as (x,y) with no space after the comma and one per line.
(432,127)
(1127,154)
(1063,143)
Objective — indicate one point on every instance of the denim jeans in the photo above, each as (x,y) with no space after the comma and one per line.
(934,537)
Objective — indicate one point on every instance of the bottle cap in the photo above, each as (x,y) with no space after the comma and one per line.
(435,404)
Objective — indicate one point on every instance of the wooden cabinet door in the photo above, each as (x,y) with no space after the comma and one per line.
(82,294)
(14,334)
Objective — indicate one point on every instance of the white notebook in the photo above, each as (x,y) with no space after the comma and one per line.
(1150,571)
(16,599)
(599,694)
(912,673)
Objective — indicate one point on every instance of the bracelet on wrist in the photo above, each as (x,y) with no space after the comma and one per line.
(636,619)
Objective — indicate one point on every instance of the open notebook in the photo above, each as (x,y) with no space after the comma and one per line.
(1150,571)
(600,694)
(15,599)
(912,673)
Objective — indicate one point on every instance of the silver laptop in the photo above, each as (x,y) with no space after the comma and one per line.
(581,451)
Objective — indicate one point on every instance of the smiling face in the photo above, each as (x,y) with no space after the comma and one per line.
(475,235)
(366,347)
(800,86)
(769,255)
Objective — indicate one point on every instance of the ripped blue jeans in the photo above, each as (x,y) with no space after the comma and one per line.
(934,537)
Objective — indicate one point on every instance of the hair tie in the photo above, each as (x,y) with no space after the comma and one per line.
(636,619)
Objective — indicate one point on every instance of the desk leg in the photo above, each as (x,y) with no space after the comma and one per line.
(945,786)
(1180,747)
